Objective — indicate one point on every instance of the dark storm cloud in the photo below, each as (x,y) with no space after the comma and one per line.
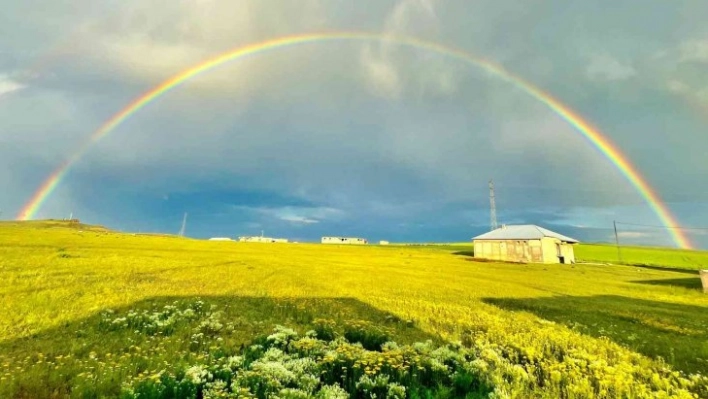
(353,136)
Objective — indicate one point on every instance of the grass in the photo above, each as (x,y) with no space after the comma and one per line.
(535,330)
(643,256)
(649,257)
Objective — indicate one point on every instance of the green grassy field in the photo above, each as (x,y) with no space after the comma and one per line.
(85,312)
(643,256)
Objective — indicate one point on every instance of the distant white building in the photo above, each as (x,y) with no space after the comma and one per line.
(383,242)
(261,239)
(344,240)
(220,239)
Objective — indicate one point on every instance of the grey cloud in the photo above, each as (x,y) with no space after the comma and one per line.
(694,51)
(417,145)
(299,215)
(606,67)
(8,85)
(387,66)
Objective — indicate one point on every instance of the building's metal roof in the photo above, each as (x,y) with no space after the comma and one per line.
(522,232)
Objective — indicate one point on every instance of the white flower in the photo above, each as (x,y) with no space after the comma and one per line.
(197,374)
(234,363)
(332,392)
(282,335)
(291,393)
(389,346)
(275,373)
(216,389)
(274,355)
(396,391)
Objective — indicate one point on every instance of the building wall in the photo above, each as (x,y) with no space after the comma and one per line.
(509,250)
(536,249)
(568,252)
(550,251)
(552,247)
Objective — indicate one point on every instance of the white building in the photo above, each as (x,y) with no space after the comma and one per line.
(344,240)
(525,243)
(261,239)
(383,242)
(220,239)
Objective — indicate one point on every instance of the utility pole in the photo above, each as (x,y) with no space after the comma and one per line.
(184,225)
(617,241)
(492,206)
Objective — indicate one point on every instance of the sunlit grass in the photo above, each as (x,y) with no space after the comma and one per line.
(645,256)
(606,322)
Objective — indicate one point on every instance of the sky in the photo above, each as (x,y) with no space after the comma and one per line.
(357,138)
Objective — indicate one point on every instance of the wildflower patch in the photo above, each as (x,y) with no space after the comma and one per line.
(287,365)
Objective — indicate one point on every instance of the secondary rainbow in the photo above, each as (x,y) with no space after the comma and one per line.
(592,134)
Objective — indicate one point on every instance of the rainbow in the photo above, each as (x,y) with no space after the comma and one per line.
(592,134)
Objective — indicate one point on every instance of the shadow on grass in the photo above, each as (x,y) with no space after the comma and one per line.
(469,256)
(662,268)
(676,332)
(95,344)
(691,283)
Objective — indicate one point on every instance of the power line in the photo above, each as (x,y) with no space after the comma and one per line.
(617,241)
(663,227)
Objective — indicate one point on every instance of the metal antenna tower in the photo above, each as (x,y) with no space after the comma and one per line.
(492,206)
(184,225)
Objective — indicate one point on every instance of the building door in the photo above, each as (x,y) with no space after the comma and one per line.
(559,254)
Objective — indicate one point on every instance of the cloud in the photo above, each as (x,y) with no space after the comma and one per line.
(359,137)
(387,67)
(383,78)
(607,68)
(695,50)
(696,93)
(180,34)
(680,70)
(8,85)
(299,219)
(296,215)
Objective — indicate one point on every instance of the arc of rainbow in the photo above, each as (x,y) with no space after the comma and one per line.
(592,134)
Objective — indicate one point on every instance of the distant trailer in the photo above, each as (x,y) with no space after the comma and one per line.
(344,240)
(382,242)
(220,239)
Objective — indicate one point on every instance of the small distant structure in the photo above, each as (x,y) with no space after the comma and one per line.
(220,239)
(261,239)
(524,243)
(383,242)
(344,240)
